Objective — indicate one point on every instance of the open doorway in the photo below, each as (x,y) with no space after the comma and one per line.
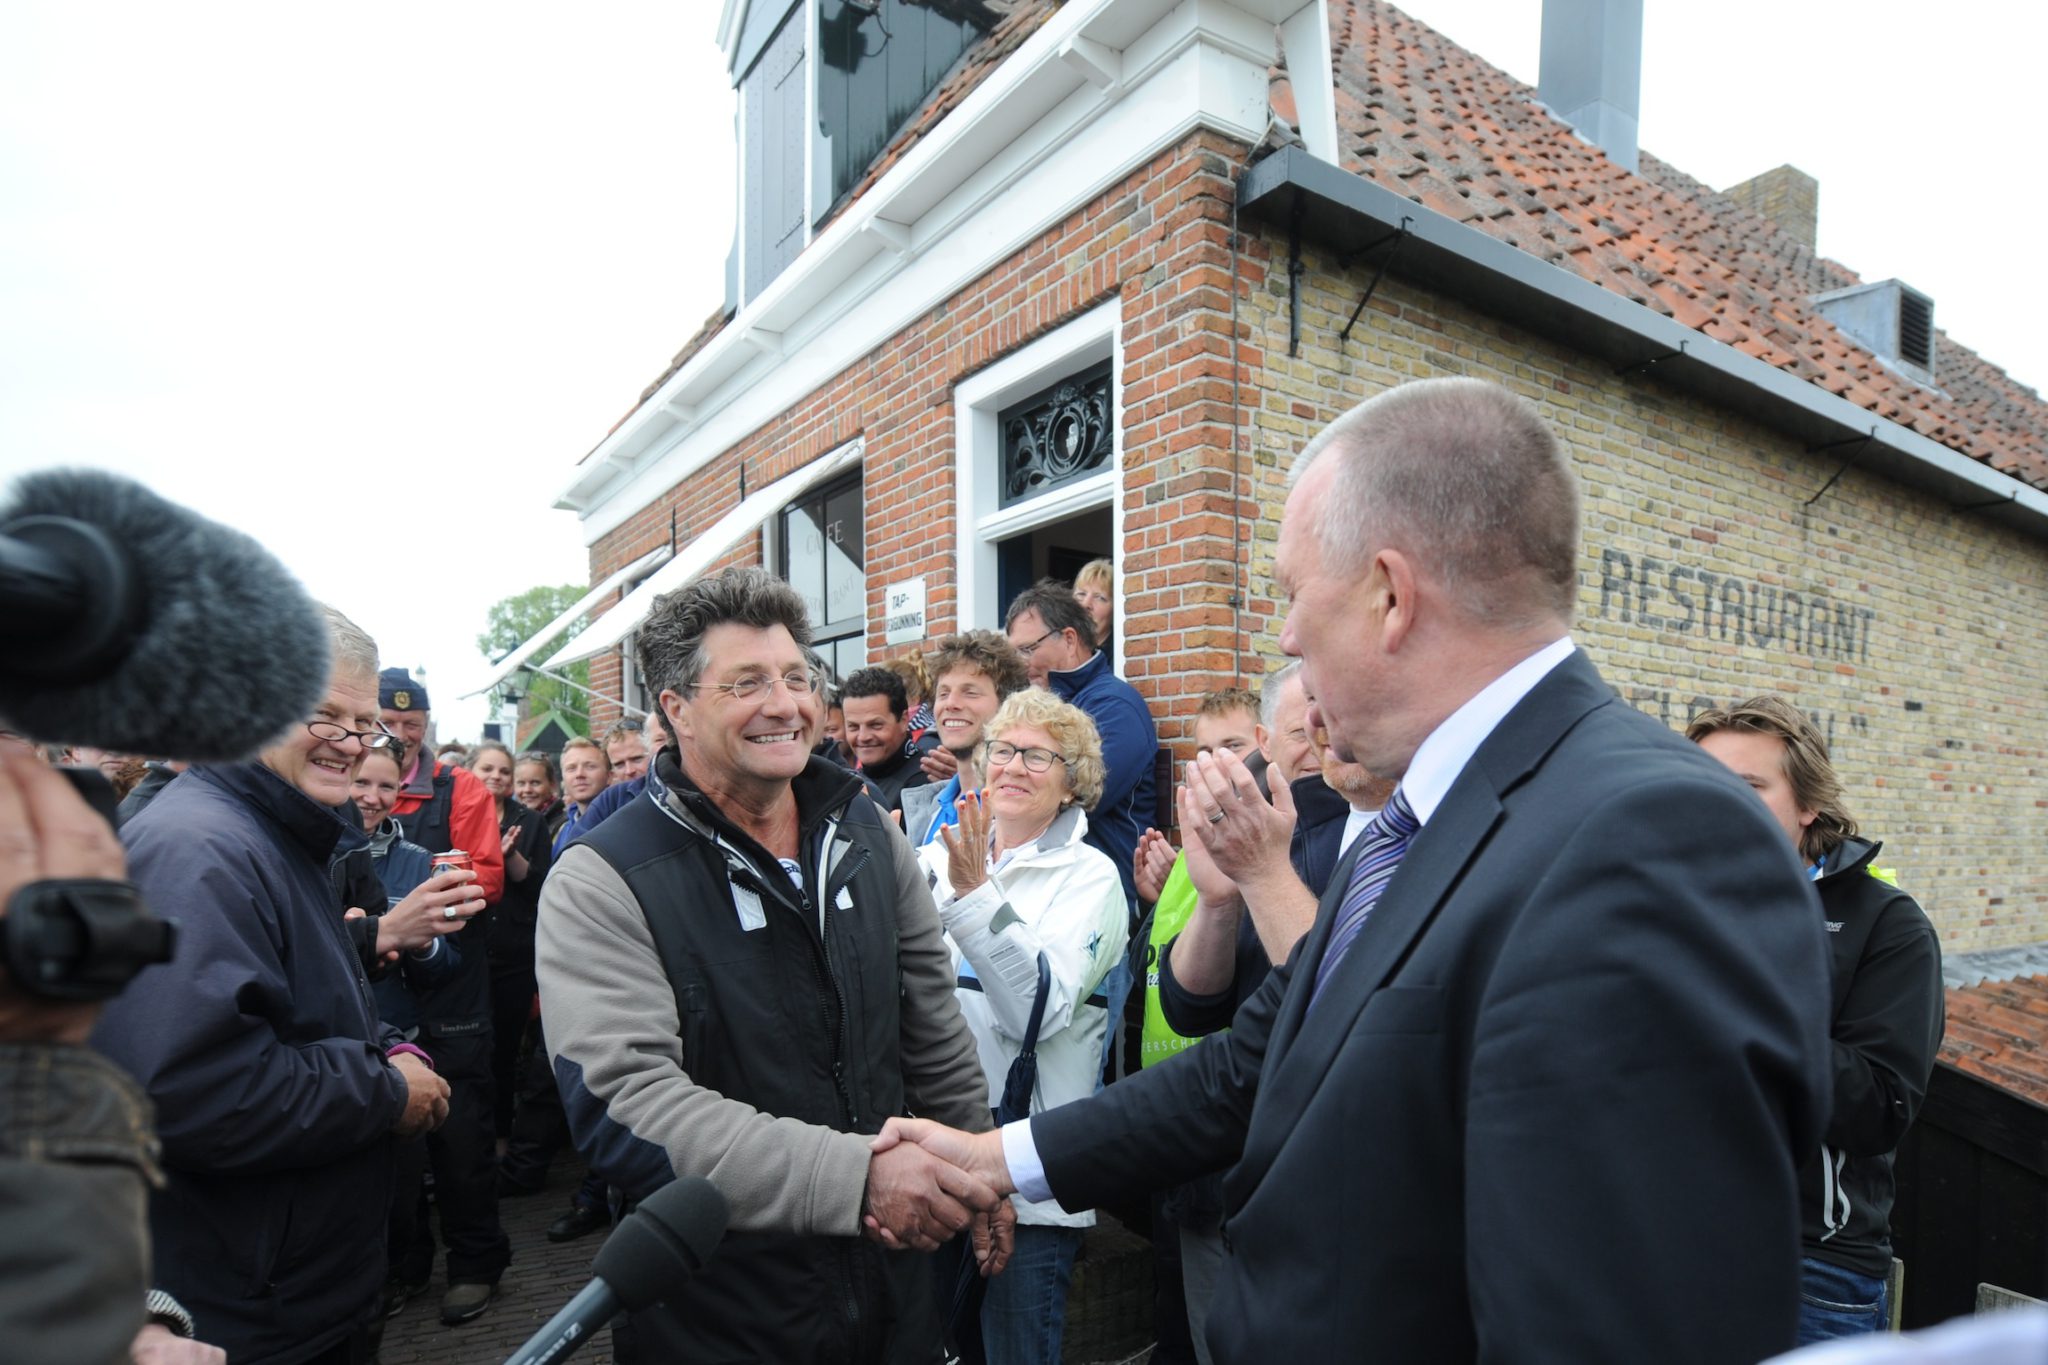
(1057,549)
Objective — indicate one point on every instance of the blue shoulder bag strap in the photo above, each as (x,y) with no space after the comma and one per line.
(1023,1077)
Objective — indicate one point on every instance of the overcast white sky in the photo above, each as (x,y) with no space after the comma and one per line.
(367,282)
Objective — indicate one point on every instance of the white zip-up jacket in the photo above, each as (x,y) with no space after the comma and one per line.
(1060,896)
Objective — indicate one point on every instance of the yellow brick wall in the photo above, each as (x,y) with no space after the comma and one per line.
(1928,665)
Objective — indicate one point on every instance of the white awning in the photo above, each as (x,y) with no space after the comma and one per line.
(701,553)
(547,634)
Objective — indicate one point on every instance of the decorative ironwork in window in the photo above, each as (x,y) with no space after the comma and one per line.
(1057,435)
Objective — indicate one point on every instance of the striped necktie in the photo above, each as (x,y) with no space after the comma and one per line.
(1380,850)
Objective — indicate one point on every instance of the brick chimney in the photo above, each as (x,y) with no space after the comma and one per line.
(1590,72)
(1787,196)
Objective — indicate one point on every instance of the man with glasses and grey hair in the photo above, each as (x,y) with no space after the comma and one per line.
(277,1090)
(743,978)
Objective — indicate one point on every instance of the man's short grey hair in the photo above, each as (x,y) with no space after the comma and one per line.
(1464,476)
(671,640)
(1269,691)
(353,649)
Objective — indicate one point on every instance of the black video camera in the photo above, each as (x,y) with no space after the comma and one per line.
(81,938)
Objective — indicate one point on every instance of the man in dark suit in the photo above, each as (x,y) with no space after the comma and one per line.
(1536,1083)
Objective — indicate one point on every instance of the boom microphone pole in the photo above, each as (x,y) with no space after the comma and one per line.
(657,1246)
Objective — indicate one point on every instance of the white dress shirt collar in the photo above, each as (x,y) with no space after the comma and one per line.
(1354,825)
(1449,747)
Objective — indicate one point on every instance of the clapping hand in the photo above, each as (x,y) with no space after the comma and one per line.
(1152,865)
(967,845)
(1224,815)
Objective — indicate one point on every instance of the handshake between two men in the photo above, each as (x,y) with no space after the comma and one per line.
(927,1183)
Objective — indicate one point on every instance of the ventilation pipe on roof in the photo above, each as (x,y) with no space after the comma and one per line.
(1591,72)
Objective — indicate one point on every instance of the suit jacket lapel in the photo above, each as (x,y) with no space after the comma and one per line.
(1303,1048)
(1296,1064)
(1309,952)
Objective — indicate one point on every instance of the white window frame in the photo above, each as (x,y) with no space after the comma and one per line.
(982,521)
(771,542)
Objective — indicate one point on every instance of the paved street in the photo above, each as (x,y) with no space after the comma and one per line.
(543,1277)
(1107,1314)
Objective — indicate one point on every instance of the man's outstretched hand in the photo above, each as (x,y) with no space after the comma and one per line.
(918,1200)
(946,1163)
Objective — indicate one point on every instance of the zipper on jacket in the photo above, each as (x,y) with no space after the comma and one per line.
(831,1000)
(842,877)
(832,1003)
(835,1005)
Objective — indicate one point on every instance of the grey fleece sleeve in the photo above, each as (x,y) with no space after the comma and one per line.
(611,1017)
(941,1071)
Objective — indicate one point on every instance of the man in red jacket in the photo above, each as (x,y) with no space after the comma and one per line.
(441,806)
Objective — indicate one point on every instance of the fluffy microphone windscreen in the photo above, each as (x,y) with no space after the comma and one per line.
(663,1242)
(230,651)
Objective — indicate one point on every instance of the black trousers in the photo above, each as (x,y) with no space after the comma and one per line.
(357,1348)
(512,991)
(461,1153)
(540,1129)
(409,1246)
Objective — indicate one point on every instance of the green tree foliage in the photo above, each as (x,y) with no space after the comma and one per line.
(511,623)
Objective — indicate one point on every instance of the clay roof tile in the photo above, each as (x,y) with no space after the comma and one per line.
(1409,97)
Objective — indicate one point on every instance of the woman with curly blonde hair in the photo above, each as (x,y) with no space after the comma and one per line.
(1036,919)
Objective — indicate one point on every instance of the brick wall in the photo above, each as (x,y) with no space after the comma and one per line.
(1787,196)
(1158,242)
(1909,630)
(1912,632)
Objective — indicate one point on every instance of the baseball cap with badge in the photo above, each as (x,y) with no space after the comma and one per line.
(397,691)
(403,702)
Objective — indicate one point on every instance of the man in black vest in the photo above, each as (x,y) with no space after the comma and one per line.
(443,807)
(743,980)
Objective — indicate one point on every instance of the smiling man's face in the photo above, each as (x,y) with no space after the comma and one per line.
(730,746)
(325,769)
(874,732)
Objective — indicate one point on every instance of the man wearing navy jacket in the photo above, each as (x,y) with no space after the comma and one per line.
(277,1089)
(1056,636)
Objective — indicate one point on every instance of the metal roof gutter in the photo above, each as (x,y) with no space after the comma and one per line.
(1465,263)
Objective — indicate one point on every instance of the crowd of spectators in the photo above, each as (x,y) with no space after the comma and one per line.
(411,974)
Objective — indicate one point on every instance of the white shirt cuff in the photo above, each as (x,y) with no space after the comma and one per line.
(1020,1154)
